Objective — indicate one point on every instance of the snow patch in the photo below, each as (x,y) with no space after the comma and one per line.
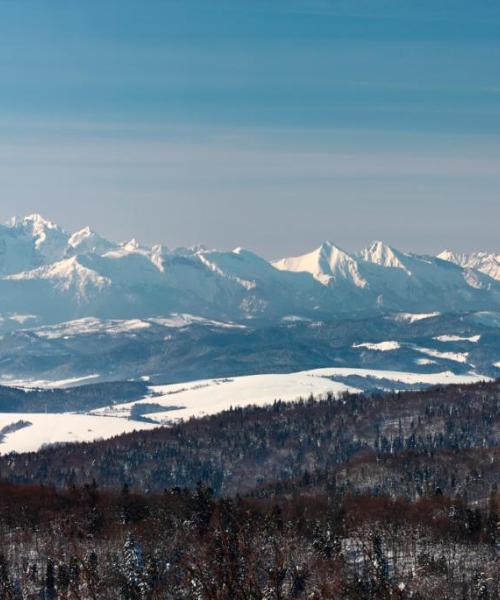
(90,325)
(425,361)
(22,319)
(47,383)
(210,396)
(380,346)
(457,338)
(49,429)
(460,357)
(179,320)
(413,317)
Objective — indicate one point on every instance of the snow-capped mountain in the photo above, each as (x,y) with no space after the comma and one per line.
(387,278)
(488,263)
(56,276)
(87,241)
(30,242)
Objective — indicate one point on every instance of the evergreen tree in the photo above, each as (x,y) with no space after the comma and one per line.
(50,580)
(133,570)
(7,590)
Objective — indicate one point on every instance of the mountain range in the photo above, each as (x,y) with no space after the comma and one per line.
(48,275)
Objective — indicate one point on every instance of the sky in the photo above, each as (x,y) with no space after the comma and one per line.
(269,125)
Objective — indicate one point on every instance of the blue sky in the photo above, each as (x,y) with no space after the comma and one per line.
(272,125)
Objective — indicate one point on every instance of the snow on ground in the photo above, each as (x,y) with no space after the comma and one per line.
(457,338)
(210,396)
(412,317)
(381,346)
(56,428)
(425,361)
(92,325)
(22,319)
(401,376)
(497,364)
(294,319)
(46,383)
(179,320)
(174,402)
(460,357)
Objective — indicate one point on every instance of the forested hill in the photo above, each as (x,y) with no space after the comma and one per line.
(79,398)
(444,439)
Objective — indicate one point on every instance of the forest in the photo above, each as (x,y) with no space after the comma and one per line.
(79,398)
(365,496)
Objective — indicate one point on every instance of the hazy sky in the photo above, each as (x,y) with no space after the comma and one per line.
(271,125)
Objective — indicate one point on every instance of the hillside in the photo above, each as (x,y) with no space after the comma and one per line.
(371,496)
(369,442)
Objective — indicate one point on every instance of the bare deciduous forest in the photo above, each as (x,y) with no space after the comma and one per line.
(366,496)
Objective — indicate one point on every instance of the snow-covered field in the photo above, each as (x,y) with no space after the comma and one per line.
(474,339)
(381,346)
(56,428)
(46,383)
(175,402)
(210,396)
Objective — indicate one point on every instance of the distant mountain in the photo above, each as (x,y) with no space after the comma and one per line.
(485,262)
(30,242)
(388,279)
(53,276)
(58,276)
(77,305)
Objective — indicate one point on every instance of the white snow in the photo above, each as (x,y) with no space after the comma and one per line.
(47,383)
(382,254)
(87,241)
(67,274)
(90,325)
(326,264)
(380,346)
(457,338)
(488,263)
(295,319)
(179,320)
(90,273)
(57,428)
(210,396)
(497,364)
(22,319)
(425,361)
(196,399)
(413,317)
(461,357)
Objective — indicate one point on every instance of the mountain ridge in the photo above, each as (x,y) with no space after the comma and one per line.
(56,275)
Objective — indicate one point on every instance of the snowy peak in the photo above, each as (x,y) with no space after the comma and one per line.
(383,255)
(87,241)
(328,264)
(35,222)
(487,263)
(66,275)
(49,239)
(44,270)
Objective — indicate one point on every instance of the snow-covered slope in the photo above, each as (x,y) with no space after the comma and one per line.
(38,429)
(87,241)
(30,242)
(488,263)
(25,432)
(328,264)
(210,396)
(55,276)
(384,277)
